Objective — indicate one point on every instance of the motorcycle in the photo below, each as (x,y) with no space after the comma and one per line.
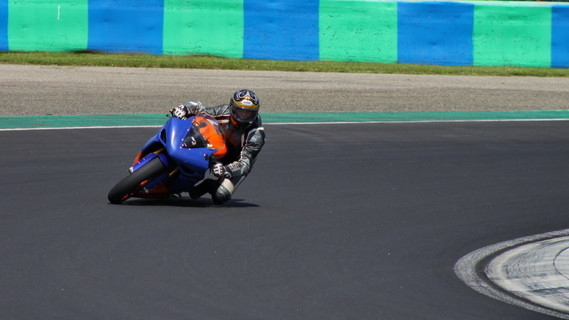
(176,159)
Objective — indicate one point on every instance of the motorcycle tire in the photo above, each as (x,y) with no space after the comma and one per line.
(135,181)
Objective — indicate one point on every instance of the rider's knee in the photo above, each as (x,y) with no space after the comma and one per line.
(223,193)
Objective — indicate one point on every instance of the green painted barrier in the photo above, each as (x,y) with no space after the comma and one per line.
(203,27)
(479,33)
(512,34)
(372,30)
(47,25)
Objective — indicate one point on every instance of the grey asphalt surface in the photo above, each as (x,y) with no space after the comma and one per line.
(41,90)
(353,221)
(362,221)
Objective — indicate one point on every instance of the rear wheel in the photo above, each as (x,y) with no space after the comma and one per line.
(135,181)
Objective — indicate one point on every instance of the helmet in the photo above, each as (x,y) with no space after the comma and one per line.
(244,107)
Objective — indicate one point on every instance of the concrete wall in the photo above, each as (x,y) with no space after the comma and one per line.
(487,33)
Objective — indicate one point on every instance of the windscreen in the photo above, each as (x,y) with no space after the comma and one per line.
(205,133)
(194,139)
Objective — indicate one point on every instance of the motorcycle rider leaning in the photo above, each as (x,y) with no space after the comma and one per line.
(240,124)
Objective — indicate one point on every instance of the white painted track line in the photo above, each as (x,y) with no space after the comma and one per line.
(529,272)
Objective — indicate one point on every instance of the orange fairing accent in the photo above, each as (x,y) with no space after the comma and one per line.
(159,190)
(210,131)
(138,157)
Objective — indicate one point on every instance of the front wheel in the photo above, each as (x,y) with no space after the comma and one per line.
(135,181)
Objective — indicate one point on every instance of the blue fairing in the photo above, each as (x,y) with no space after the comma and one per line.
(192,162)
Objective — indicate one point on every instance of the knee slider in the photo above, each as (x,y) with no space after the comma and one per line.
(221,195)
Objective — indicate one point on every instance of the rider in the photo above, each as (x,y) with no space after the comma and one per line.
(244,136)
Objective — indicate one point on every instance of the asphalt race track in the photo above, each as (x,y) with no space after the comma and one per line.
(350,221)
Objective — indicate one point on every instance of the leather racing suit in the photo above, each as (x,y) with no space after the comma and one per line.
(243,142)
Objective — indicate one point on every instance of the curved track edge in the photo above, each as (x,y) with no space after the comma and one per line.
(472,269)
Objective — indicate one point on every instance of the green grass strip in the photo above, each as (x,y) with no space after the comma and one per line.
(26,122)
(206,62)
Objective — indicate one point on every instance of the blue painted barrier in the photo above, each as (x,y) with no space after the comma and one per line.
(281,29)
(4,26)
(435,33)
(560,37)
(430,32)
(130,26)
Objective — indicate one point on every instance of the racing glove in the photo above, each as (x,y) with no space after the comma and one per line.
(180,112)
(220,171)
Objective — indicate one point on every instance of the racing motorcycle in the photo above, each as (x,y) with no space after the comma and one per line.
(175,160)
